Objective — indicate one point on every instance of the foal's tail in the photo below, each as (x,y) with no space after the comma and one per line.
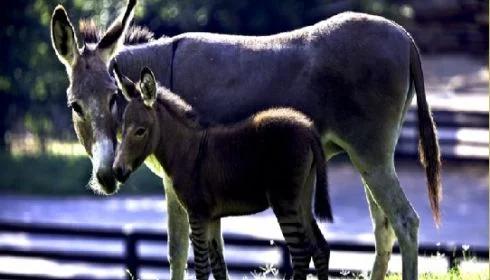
(428,144)
(322,207)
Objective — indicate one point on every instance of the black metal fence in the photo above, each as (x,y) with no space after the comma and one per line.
(133,262)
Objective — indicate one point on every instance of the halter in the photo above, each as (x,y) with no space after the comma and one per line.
(171,76)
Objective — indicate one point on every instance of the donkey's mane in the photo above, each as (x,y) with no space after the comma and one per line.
(90,33)
(178,108)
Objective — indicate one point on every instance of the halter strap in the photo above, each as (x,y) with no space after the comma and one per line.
(175,44)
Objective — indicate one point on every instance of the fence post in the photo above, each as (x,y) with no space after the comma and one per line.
(131,257)
(285,268)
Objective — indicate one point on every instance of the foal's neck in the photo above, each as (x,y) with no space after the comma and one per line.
(178,142)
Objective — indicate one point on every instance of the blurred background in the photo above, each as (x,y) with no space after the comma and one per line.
(44,171)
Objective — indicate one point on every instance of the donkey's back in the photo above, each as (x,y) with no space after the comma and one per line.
(328,70)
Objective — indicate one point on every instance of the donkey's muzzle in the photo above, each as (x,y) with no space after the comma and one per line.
(121,173)
(106,180)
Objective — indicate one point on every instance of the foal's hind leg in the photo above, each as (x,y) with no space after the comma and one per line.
(216,258)
(385,189)
(321,253)
(384,237)
(321,250)
(293,229)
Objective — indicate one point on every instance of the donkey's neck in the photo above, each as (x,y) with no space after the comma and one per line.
(178,144)
(156,55)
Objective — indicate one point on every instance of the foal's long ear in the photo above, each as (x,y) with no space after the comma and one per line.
(148,86)
(63,37)
(114,36)
(128,88)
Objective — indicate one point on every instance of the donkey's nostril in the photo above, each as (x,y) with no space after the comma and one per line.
(106,180)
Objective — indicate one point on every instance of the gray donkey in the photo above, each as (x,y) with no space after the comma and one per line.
(270,159)
(353,74)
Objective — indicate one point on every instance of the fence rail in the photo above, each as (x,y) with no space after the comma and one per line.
(462,134)
(133,262)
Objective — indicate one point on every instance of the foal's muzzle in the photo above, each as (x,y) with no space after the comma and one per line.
(121,173)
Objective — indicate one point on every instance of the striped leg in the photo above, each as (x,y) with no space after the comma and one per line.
(321,255)
(320,248)
(294,234)
(215,243)
(199,241)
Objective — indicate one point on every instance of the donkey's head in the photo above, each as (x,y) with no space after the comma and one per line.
(92,92)
(139,123)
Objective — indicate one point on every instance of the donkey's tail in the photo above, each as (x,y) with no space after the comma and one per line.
(428,143)
(322,207)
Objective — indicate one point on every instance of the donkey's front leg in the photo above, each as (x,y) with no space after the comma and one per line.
(178,232)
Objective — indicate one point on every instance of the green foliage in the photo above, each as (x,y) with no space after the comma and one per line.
(40,175)
(32,81)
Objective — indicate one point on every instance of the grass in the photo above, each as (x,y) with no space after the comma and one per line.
(269,272)
(454,274)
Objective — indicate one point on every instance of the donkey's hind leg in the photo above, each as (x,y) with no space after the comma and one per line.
(199,239)
(385,189)
(215,244)
(178,232)
(384,237)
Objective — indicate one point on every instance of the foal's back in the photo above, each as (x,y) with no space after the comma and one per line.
(245,161)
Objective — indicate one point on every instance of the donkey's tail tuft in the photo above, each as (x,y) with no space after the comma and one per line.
(428,144)
(322,207)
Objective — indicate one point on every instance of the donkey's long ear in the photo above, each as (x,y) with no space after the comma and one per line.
(63,37)
(127,86)
(114,36)
(148,86)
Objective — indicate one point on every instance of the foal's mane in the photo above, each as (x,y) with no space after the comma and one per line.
(91,33)
(178,108)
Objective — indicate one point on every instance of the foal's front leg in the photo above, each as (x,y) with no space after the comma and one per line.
(216,258)
(199,239)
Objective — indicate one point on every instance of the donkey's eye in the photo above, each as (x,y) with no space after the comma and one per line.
(140,131)
(77,108)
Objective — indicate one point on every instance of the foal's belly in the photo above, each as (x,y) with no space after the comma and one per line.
(232,207)
(239,198)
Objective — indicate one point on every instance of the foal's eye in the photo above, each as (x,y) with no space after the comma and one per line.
(77,108)
(140,131)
